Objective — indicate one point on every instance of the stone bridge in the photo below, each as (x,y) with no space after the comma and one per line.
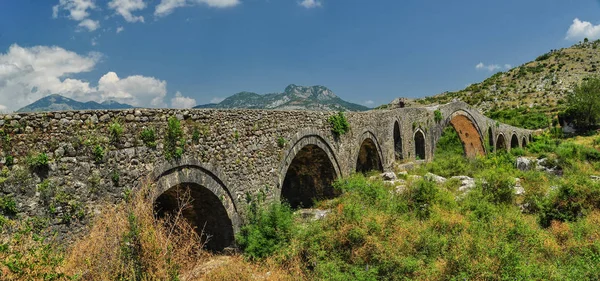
(234,156)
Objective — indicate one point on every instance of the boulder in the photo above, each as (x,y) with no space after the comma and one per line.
(524,163)
(388,176)
(435,178)
(519,190)
(466,183)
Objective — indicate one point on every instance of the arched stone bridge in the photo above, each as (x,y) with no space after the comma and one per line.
(236,154)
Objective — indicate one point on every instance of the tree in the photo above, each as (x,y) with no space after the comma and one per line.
(584,103)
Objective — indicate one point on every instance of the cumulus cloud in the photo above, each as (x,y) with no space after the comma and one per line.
(310,3)
(89,24)
(77,10)
(491,67)
(165,7)
(583,29)
(179,101)
(120,29)
(126,7)
(28,74)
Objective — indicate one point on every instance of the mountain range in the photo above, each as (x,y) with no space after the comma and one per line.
(58,103)
(294,97)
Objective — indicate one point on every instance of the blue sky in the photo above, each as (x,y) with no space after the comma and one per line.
(177,53)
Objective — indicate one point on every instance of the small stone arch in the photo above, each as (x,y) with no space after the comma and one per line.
(398,144)
(530,138)
(500,142)
(468,132)
(524,142)
(419,142)
(369,156)
(514,141)
(211,211)
(491,138)
(308,171)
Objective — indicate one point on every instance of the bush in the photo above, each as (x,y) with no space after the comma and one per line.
(174,141)
(584,103)
(196,135)
(339,124)
(437,116)
(281,142)
(98,153)
(8,205)
(39,161)
(422,196)
(268,230)
(116,130)
(575,197)
(148,136)
(498,185)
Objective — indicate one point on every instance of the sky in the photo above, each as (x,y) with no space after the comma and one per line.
(179,53)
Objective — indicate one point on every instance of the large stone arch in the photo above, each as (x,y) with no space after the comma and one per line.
(308,170)
(491,139)
(514,141)
(420,147)
(212,210)
(398,141)
(369,156)
(501,142)
(468,131)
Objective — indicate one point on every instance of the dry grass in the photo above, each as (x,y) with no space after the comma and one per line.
(127,242)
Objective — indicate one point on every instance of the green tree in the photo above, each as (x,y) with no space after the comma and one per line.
(584,103)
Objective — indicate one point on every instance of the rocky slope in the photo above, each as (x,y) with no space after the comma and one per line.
(58,103)
(294,97)
(540,84)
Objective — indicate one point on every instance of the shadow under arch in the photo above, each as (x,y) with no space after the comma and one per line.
(211,210)
(398,149)
(514,141)
(500,142)
(308,171)
(369,156)
(419,141)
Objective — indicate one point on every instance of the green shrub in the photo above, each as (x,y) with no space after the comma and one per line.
(573,199)
(517,151)
(115,176)
(437,116)
(196,135)
(339,124)
(498,185)
(98,153)
(422,196)
(39,161)
(9,160)
(174,141)
(281,142)
(148,136)
(8,205)
(268,230)
(116,130)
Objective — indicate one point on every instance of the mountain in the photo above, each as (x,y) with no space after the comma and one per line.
(540,84)
(294,97)
(57,103)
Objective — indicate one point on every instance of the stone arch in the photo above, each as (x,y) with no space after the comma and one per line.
(211,210)
(369,155)
(514,141)
(500,142)
(398,151)
(419,141)
(468,132)
(524,142)
(308,171)
(530,138)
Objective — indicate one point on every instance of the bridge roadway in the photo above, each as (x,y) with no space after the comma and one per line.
(285,155)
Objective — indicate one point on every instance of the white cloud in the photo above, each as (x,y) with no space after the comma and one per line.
(179,101)
(126,7)
(583,29)
(28,74)
(166,7)
(369,102)
(120,29)
(217,100)
(91,25)
(491,67)
(310,3)
(77,10)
